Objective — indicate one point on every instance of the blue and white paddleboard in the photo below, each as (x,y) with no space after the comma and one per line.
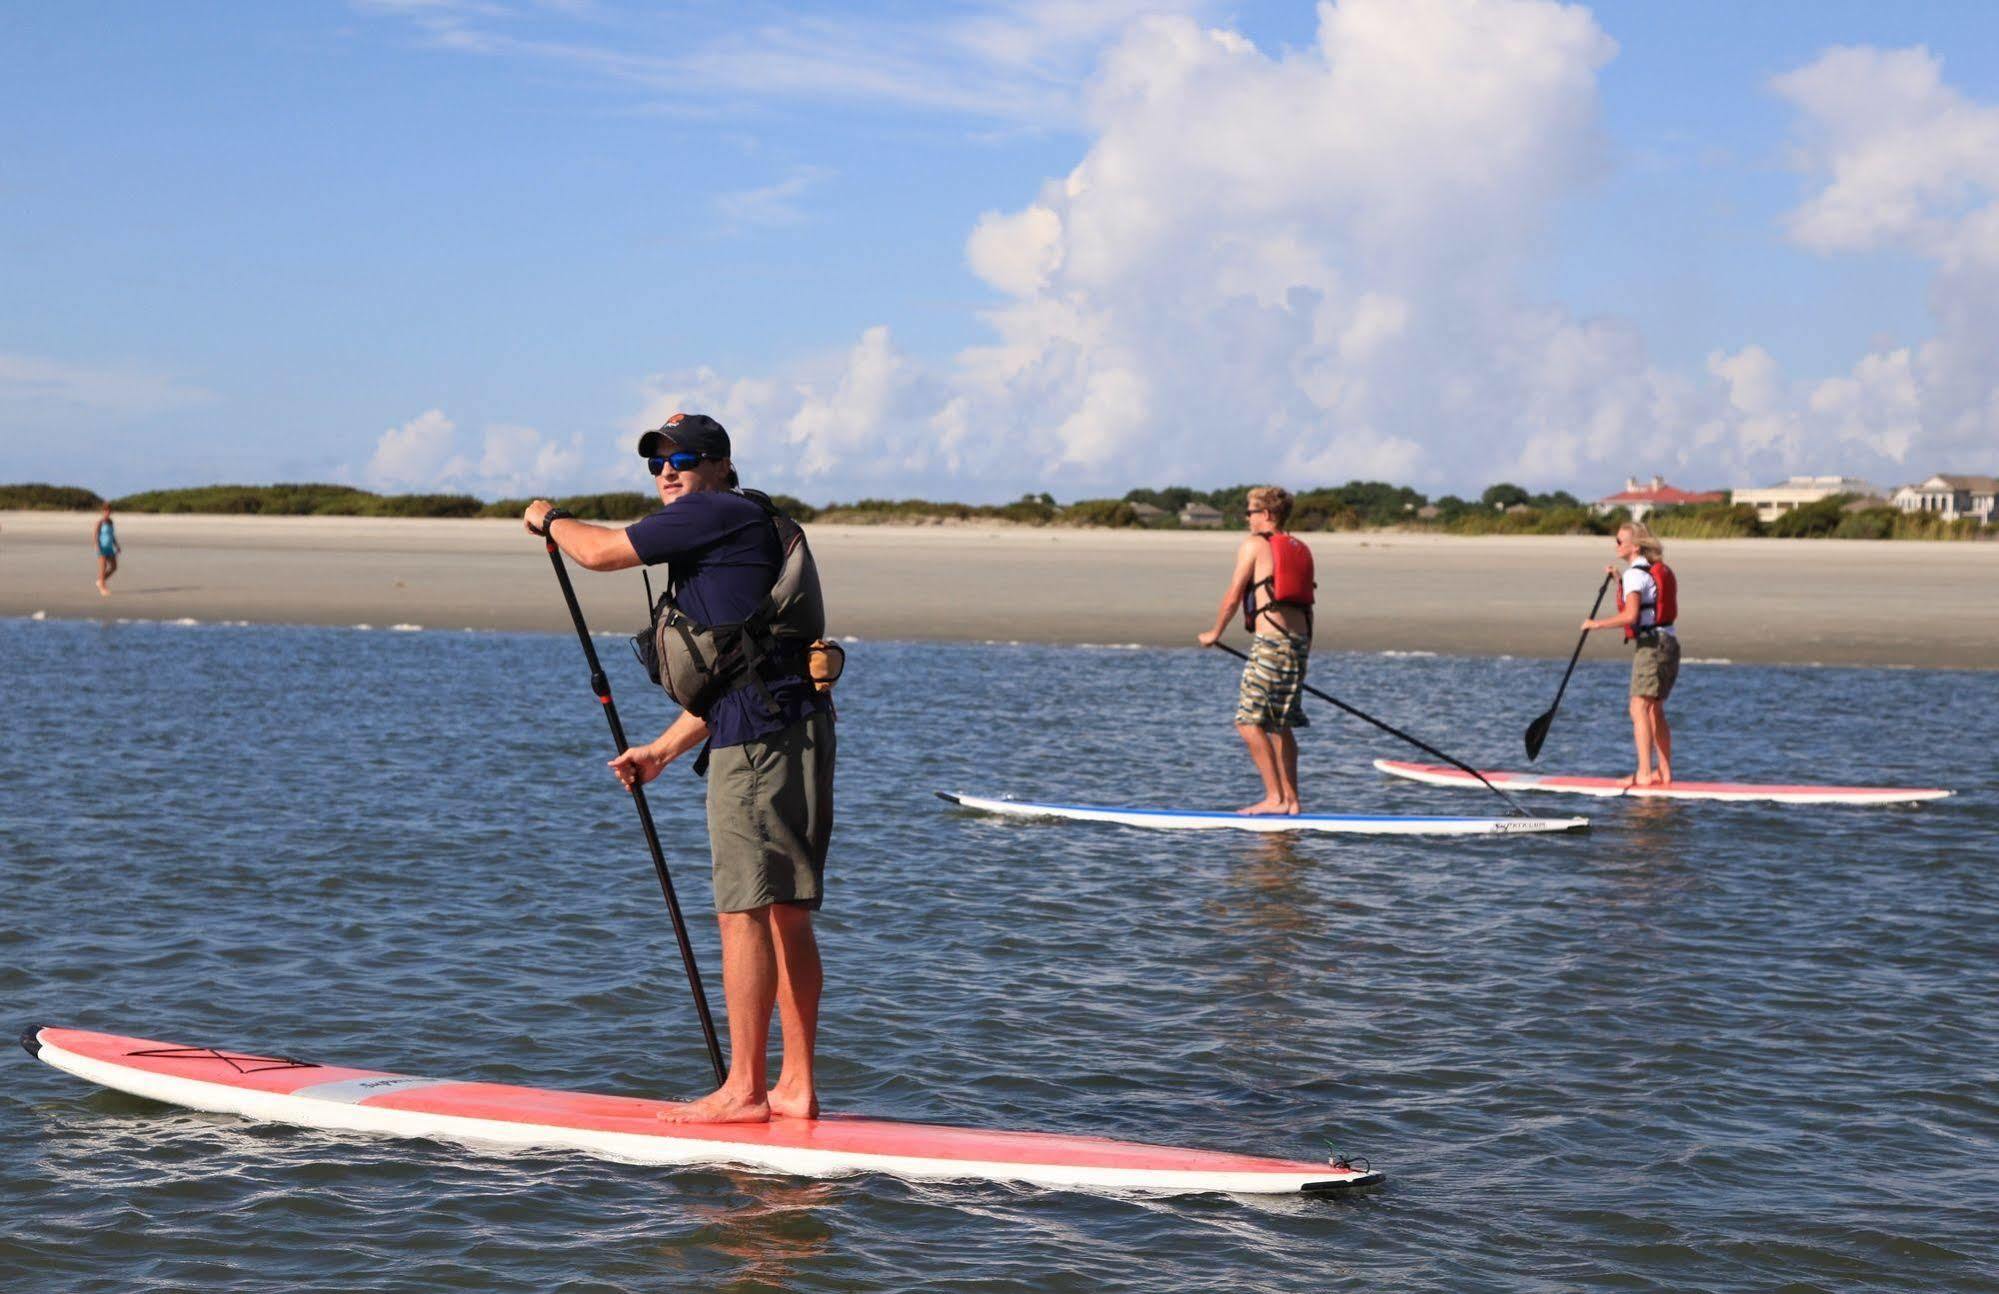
(1364,824)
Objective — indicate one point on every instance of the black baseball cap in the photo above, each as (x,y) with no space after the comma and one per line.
(695,432)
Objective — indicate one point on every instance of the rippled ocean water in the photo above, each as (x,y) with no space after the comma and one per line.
(1702,1046)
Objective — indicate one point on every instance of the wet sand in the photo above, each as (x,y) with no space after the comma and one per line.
(1745,600)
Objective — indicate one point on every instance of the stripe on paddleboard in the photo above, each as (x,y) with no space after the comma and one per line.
(283,1090)
(1195,820)
(1445,775)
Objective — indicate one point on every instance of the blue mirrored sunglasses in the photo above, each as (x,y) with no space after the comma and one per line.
(680,460)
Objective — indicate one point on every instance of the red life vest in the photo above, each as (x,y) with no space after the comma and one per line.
(1291,581)
(1666,600)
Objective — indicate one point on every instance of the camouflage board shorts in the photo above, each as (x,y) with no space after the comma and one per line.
(1273,682)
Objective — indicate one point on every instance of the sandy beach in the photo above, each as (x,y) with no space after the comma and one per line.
(1781,601)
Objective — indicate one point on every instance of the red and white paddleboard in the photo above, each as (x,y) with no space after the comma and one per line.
(284,1090)
(1445,775)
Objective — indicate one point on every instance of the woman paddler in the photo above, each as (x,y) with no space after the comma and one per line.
(1647,607)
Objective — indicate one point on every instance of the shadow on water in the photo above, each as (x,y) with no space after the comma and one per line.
(772,1231)
(1272,891)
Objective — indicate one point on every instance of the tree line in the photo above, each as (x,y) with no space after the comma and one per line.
(1504,508)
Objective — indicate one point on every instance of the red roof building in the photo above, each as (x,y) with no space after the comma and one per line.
(1640,499)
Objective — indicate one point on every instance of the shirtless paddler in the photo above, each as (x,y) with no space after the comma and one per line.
(1271,588)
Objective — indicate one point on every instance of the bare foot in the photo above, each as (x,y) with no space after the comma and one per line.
(1291,808)
(719,1107)
(102,592)
(1262,807)
(793,1101)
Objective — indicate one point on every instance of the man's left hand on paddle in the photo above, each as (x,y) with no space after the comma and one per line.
(638,765)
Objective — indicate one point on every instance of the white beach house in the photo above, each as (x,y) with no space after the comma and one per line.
(1772,502)
(1951,497)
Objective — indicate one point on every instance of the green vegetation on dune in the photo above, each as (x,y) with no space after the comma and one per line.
(1115,513)
(1502,509)
(796,509)
(622,505)
(1812,520)
(1526,519)
(325,500)
(1029,510)
(1707,521)
(34,496)
(298,499)
(1925,525)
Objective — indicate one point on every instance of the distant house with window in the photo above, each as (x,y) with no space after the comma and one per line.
(1951,497)
(1641,499)
(1200,516)
(1772,502)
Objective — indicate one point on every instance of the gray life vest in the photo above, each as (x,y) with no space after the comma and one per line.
(699,664)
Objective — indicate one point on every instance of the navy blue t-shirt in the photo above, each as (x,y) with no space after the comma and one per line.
(722,555)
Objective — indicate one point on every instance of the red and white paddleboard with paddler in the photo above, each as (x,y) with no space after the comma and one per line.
(1445,775)
(285,1090)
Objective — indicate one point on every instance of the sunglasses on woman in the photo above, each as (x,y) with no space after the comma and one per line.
(680,460)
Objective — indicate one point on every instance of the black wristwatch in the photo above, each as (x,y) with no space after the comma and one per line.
(554,515)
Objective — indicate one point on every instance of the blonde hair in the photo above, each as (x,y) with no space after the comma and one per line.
(1648,543)
(1274,499)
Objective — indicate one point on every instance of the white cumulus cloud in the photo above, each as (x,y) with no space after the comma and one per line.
(1327,262)
(1303,262)
(413,455)
(427,454)
(1909,163)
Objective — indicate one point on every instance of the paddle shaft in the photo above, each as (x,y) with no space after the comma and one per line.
(1393,731)
(1549,718)
(602,687)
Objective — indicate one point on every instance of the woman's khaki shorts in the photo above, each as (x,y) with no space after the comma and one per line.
(1655,667)
(770,816)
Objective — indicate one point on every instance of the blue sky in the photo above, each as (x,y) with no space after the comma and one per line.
(967,250)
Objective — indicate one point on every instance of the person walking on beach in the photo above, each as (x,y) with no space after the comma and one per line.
(769,750)
(107,551)
(1647,608)
(1272,587)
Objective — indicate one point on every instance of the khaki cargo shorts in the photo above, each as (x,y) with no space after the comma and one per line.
(1273,682)
(770,816)
(1655,667)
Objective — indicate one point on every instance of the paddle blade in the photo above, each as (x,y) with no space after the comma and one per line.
(1537,732)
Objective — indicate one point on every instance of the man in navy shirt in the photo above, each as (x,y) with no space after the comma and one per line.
(770,770)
